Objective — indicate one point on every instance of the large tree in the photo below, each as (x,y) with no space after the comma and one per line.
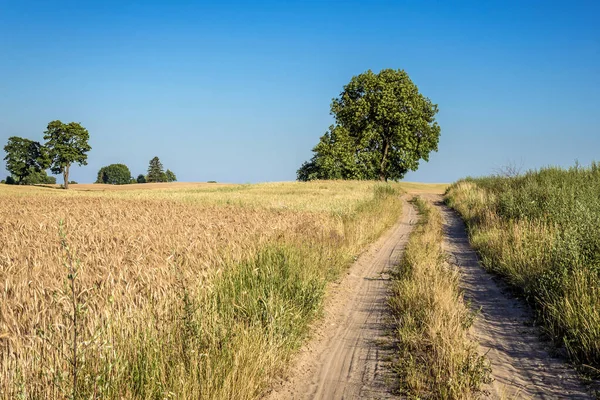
(114,174)
(25,157)
(156,172)
(67,144)
(384,127)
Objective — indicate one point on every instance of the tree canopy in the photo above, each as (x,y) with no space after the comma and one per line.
(384,128)
(25,157)
(156,172)
(66,144)
(114,174)
(170,176)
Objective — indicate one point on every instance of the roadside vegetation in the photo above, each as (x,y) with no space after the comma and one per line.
(435,358)
(196,292)
(540,231)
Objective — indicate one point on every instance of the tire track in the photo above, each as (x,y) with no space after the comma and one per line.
(348,358)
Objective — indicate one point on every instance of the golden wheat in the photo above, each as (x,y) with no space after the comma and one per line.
(149,265)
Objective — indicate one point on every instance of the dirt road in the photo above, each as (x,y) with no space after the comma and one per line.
(522,367)
(347,357)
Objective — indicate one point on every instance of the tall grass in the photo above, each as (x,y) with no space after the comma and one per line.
(541,231)
(435,359)
(173,297)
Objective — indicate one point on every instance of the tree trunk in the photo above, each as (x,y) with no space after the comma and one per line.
(382,172)
(66,176)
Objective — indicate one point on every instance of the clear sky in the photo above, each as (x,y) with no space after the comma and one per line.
(240,91)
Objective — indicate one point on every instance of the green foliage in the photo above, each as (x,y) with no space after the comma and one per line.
(170,176)
(10,180)
(141,178)
(24,157)
(66,144)
(336,157)
(384,127)
(38,178)
(544,239)
(114,174)
(156,172)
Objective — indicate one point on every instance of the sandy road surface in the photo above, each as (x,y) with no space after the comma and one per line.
(347,357)
(522,367)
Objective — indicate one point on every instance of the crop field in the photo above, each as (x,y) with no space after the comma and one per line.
(541,231)
(170,291)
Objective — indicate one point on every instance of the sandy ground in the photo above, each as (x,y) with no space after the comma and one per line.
(522,366)
(348,356)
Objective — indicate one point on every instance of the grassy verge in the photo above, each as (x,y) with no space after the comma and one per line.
(540,231)
(435,358)
(154,299)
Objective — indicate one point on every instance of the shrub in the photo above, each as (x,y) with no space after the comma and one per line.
(114,174)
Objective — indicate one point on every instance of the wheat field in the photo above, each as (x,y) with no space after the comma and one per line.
(181,291)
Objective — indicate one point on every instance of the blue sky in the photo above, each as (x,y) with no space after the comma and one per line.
(240,91)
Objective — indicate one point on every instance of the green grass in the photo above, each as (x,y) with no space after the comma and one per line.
(435,358)
(541,231)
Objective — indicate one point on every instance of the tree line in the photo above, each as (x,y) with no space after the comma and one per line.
(119,174)
(67,144)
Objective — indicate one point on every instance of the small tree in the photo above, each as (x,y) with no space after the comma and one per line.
(155,171)
(67,144)
(114,174)
(141,178)
(170,176)
(24,157)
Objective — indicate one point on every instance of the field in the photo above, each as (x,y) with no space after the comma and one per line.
(178,291)
(541,231)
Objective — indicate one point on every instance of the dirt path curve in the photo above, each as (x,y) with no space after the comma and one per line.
(522,367)
(347,357)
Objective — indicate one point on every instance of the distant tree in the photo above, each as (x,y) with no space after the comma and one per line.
(38,178)
(170,176)
(384,127)
(114,174)
(67,144)
(141,178)
(155,171)
(24,157)
(10,180)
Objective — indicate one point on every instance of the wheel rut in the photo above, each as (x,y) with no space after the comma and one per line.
(350,353)
(522,364)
